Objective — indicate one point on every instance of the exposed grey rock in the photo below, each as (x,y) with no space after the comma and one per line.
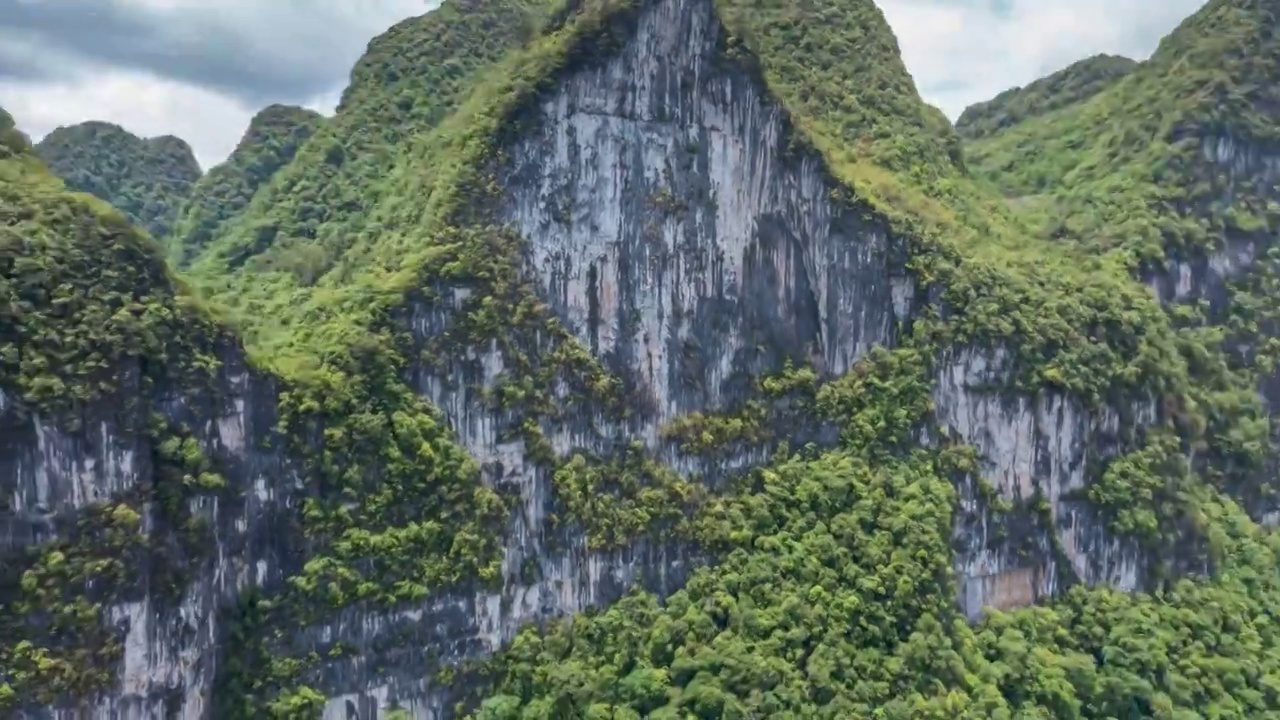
(670,226)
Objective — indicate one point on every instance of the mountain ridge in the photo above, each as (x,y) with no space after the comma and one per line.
(270,142)
(147,179)
(842,431)
(1074,83)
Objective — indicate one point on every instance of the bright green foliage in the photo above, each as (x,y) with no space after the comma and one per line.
(1077,82)
(837,67)
(825,601)
(698,433)
(422,522)
(626,497)
(81,292)
(1141,490)
(323,203)
(786,398)
(270,143)
(85,303)
(1124,173)
(12,141)
(833,599)
(1125,168)
(53,635)
(831,594)
(1076,322)
(148,180)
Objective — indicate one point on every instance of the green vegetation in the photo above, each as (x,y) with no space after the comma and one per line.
(54,639)
(831,591)
(12,141)
(834,599)
(1124,175)
(80,292)
(324,203)
(1077,82)
(270,143)
(832,594)
(1124,170)
(148,180)
(84,296)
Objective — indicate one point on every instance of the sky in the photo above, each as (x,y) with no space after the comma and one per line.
(199,69)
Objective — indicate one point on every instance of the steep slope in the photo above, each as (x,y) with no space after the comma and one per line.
(1030,345)
(781,633)
(271,141)
(147,179)
(705,293)
(1075,83)
(147,471)
(104,366)
(1172,170)
(318,206)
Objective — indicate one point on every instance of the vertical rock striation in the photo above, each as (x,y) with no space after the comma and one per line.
(674,225)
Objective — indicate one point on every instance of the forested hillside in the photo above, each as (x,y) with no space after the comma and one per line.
(146,179)
(269,143)
(1075,83)
(657,358)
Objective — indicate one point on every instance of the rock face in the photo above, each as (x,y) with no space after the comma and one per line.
(1039,447)
(681,240)
(51,472)
(672,227)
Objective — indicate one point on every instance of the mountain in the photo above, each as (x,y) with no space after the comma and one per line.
(12,141)
(324,202)
(97,334)
(1130,162)
(270,143)
(1171,171)
(665,358)
(1077,82)
(146,179)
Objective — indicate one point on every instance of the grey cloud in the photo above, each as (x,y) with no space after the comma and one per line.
(260,52)
(21,59)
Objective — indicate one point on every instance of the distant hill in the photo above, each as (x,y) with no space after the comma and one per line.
(146,179)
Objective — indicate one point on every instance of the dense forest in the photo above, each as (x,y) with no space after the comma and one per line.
(147,179)
(1078,226)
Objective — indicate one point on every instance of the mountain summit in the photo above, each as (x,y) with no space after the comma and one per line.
(1079,81)
(269,143)
(146,179)
(654,358)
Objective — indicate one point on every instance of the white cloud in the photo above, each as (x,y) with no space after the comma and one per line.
(959,51)
(143,104)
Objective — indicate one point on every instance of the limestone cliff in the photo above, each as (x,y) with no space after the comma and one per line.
(644,307)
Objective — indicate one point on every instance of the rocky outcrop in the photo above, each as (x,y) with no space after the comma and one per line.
(51,471)
(1034,450)
(675,230)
